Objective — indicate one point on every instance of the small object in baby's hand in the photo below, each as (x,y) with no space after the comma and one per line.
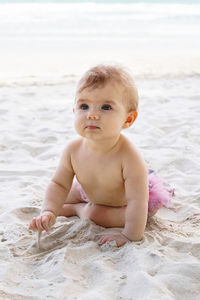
(39,234)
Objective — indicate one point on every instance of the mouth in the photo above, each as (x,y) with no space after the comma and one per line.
(92,127)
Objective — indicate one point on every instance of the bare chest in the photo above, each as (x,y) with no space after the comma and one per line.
(97,171)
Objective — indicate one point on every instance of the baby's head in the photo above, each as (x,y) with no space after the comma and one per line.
(101,75)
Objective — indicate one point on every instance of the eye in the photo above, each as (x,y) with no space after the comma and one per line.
(84,106)
(106,107)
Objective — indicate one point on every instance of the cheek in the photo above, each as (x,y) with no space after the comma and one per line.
(114,124)
(78,121)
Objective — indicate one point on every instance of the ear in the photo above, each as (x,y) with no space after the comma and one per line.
(132,116)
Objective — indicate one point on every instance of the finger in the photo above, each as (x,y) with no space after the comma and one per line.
(46,223)
(52,221)
(38,224)
(32,225)
(106,236)
(120,243)
(104,239)
(117,240)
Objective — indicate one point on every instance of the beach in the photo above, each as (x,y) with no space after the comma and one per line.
(44,49)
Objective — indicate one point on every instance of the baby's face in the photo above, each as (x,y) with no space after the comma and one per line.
(100,113)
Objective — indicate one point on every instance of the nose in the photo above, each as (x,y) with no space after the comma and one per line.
(92,115)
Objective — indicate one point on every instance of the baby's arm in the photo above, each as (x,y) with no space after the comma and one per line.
(136,188)
(56,194)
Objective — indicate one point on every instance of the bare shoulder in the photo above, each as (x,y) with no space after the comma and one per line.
(129,149)
(69,149)
(73,145)
(132,159)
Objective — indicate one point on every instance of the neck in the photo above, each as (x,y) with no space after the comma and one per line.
(102,146)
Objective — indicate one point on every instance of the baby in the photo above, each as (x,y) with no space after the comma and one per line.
(112,186)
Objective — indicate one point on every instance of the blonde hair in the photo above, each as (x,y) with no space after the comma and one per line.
(100,75)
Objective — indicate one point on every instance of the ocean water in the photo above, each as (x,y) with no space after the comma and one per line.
(60,38)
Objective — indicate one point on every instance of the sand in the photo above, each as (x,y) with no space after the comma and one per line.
(36,122)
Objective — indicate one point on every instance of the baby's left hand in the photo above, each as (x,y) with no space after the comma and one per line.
(117,237)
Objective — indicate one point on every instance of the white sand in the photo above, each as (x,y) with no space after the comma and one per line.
(36,121)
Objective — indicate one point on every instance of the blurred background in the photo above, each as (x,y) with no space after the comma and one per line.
(61,38)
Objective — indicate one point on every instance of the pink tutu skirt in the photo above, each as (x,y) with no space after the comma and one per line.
(159,194)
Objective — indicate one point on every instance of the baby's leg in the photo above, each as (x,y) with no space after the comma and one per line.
(73,198)
(102,215)
(105,216)
(74,195)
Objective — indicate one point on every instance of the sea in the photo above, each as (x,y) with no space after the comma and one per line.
(63,38)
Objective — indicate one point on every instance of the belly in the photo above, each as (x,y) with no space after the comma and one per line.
(100,196)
